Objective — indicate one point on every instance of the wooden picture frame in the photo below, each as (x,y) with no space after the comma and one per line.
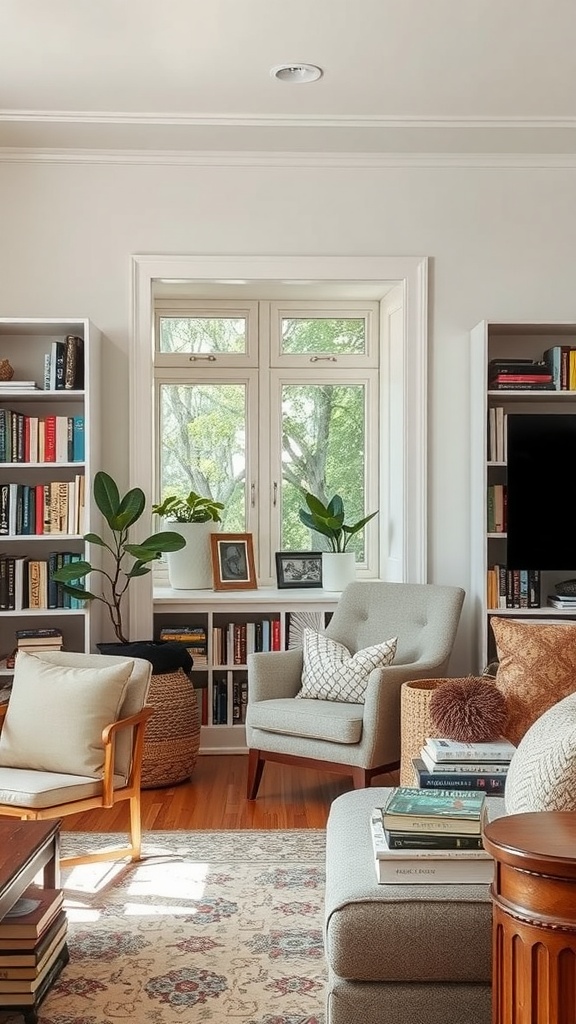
(233,561)
(298,569)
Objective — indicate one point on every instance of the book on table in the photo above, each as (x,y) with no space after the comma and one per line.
(425,866)
(463,767)
(442,749)
(484,782)
(436,810)
(41,906)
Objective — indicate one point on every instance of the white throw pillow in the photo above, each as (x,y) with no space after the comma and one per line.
(330,672)
(56,715)
(542,772)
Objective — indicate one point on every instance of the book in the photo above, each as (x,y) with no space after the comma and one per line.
(479,781)
(73,362)
(456,767)
(432,841)
(47,903)
(24,986)
(39,635)
(441,749)
(424,867)
(35,955)
(437,810)
(561,602)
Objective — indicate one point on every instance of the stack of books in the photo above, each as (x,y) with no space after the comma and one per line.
(32,946)
(448,764)
(519,375)
(194,638)
(47,638)
(428,837)
(565,601)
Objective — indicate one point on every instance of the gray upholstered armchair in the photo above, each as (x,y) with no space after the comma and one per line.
(361,740)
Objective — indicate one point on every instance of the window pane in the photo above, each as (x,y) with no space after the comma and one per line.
(323,451)
(322,334)
(202,334)
(203,437)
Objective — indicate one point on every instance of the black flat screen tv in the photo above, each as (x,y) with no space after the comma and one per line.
(541,492)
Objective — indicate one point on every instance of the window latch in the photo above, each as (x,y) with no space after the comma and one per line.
(329,359)
(211,359)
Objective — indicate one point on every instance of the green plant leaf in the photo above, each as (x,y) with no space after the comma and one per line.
(138,569)
(130,509)
(166,540)
(79,592)
(106,495)
(336,508)
(73,571)
(93,538)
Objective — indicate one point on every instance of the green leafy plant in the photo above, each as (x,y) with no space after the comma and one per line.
(329,521)
(120,515)
(193,509)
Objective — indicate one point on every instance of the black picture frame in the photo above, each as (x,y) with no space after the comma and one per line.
(298,569)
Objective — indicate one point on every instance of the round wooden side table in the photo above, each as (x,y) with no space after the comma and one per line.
(534,917)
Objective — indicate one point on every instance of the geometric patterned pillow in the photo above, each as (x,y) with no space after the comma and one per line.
(537,668)
(330,672)
(542,772)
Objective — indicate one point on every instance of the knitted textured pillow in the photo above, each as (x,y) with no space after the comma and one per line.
(330,672)
(537,668)
(542,772)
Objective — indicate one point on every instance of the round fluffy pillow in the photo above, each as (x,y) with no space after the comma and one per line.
(542,772)
(469,710)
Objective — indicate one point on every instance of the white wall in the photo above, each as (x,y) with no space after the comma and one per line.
(501,243)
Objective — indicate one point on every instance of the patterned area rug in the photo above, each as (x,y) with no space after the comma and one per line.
(209,927)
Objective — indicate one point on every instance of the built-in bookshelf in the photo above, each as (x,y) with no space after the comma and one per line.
(495,588)
(226,627)
(49,452)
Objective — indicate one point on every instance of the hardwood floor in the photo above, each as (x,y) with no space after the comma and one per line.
(214,798)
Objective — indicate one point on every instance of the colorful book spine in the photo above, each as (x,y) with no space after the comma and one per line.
(491,784)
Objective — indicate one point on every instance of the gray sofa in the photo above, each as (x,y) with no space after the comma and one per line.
(399,954)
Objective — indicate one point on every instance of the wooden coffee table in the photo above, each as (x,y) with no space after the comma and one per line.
(26,848)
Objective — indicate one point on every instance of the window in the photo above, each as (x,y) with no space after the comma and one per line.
(258,404)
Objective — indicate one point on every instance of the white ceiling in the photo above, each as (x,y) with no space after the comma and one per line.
(192,76)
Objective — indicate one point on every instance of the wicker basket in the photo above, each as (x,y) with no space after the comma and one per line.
(172,735)
(415,725)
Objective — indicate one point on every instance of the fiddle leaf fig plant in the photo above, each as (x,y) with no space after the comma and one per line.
(120,514)
(329,521)
(193,509)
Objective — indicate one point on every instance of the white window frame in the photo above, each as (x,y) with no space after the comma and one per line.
(403,434)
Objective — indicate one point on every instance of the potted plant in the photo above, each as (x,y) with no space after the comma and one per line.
(120,513)
(197,517)
(338,564)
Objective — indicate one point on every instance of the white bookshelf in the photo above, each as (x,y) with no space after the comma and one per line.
(215,608)
(497,340)
(24,342)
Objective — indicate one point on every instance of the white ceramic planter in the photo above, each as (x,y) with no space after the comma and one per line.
(338,569)
(191,567)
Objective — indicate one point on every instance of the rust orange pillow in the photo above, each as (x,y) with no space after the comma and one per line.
(537,668)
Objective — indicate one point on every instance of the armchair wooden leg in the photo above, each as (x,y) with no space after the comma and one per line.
(361,778)
(255,769)
(135,827)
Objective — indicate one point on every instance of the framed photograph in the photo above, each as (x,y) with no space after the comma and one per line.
(299,568)
(233,561)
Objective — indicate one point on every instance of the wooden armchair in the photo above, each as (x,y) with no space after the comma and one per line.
(72,739)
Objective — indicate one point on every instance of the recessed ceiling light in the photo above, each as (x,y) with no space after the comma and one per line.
(297,74)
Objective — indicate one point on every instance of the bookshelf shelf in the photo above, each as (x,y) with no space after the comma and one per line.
(25,414)
(491,340)
(220,681)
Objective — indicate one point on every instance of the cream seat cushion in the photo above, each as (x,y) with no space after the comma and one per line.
(331,672)
(542,772)
(56,715)
(22,788)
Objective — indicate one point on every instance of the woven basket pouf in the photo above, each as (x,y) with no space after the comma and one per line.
(172,736)
(415,724)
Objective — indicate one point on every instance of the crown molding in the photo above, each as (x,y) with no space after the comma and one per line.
(287,121)
(223,158)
